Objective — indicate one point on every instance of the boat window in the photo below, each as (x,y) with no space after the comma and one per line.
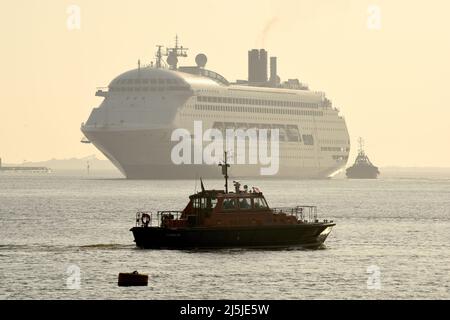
(205,203)
(292,133)
(244,203)
(229,125)
(218,125)
(267,127)
(229,204)
(260,203)
(198,203)
(308,139)
(240,125)
(282,131)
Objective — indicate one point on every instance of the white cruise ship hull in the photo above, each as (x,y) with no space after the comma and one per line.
(146,154)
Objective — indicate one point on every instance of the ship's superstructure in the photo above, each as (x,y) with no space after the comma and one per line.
(141,109)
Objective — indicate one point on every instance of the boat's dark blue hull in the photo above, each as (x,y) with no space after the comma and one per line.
(308,235)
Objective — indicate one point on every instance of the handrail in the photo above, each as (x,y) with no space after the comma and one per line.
(156,218)
(304,213)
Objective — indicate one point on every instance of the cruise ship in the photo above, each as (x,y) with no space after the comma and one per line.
(141,108)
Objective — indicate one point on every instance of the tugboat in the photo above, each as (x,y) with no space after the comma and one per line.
(222,219)
(362,168)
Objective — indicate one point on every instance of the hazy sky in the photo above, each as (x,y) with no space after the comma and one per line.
(390,84)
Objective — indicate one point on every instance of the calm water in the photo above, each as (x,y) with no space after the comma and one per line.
(397,226)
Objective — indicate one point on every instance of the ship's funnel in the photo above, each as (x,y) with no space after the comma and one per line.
(263,65)
(273,70)
(253,61)
(257,66)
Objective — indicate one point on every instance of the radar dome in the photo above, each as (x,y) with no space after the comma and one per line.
(201,60)
(172,59)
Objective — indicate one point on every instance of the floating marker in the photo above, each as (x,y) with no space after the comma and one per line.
(132,279)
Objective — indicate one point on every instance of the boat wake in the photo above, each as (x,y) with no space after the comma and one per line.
(107,246)
(62,248)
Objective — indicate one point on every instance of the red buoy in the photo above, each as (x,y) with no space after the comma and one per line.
(132,279)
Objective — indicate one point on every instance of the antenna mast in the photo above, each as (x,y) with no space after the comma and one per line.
(361,145)
(158,56)
(225,167)
(172,54)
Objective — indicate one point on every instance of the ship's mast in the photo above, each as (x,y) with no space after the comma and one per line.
(172,54)
(158,56)
(362,157)
(361,145)
(225,167)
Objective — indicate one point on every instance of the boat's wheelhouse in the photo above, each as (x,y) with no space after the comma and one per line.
(211,208)
(207,206)
(212,201)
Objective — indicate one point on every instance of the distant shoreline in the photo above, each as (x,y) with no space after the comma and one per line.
(79,166)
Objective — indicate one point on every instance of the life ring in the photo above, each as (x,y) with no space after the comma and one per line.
(145,219)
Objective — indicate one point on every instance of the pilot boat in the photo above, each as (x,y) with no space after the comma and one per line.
(222,219)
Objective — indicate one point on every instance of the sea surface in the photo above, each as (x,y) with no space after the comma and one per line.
(66,236)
